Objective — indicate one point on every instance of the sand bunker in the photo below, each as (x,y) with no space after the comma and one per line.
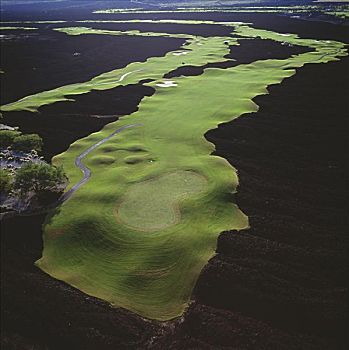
(180,53)
(167,83)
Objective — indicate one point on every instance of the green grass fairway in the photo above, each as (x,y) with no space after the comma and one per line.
(139,232)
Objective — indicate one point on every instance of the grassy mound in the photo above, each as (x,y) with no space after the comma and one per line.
(102,159)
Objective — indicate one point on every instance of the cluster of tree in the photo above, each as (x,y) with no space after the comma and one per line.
(5,181)
(38,177)
(19,142)
(32,183)
(32,177)
(42,179)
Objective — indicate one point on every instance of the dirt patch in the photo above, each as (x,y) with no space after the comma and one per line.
(55,233)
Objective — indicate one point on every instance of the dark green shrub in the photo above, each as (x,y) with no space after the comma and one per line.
(39,178)
(6,181)
(7,137)
(28,142)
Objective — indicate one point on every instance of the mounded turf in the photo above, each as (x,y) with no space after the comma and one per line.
(96,241)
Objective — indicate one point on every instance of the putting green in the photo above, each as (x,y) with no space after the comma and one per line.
(154,204)
(139,232)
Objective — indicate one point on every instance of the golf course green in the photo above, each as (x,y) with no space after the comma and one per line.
(139,232)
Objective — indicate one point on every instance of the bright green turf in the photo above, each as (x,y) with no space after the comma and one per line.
(96,240)
(18,28)
(341,14)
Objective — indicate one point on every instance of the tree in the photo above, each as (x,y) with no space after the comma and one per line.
(39,178)
(6,181)
(7,137)
(28,142)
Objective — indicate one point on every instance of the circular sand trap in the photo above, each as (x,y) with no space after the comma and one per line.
(153,205)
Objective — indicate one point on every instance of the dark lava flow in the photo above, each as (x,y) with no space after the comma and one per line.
(249,50)
(280,285)
(42,62)
(290,269)
(205,30)
(269,21)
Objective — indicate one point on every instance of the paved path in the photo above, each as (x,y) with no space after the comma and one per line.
(85,170)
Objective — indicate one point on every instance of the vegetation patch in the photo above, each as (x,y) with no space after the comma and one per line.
(27,181)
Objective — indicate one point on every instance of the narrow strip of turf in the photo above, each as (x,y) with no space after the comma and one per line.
(18,28)
(238,9)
